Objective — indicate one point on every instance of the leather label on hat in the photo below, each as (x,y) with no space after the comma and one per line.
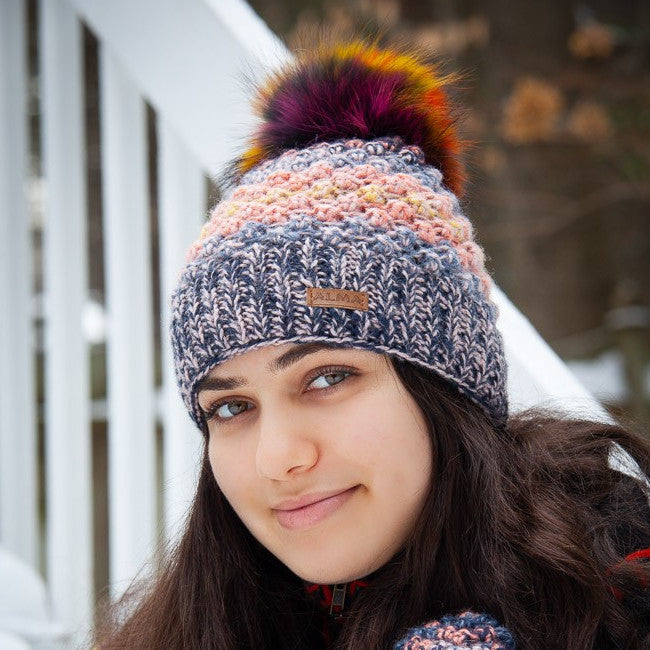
(343,298)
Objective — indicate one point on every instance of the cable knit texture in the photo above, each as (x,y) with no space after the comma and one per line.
(469,631)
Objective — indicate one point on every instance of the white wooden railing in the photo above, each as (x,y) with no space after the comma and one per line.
(187,59)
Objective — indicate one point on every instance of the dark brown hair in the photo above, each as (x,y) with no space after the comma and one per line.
(527,523)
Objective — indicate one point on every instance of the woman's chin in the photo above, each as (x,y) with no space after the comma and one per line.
(330,576)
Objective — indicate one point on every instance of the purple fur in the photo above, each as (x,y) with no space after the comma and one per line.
(327,104)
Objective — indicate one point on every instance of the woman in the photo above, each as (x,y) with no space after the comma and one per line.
(362,484)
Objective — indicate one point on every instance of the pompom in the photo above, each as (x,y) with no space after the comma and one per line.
(358,90)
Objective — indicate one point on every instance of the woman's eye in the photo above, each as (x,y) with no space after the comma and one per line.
(330,379)
(226,410)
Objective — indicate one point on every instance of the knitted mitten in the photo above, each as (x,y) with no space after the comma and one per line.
(467,630)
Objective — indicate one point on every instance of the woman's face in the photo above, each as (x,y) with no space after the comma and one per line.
(321,452)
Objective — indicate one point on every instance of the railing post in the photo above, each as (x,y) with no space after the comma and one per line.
(181,192)
(67,405)
(18,475)
(129,302)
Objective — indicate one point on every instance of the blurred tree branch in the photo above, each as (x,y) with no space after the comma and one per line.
(563,213)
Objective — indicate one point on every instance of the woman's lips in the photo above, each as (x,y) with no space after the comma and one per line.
(313,512)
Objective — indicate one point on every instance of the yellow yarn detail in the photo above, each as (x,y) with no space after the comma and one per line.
(374,194)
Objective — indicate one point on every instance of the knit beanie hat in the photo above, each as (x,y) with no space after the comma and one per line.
(342,224)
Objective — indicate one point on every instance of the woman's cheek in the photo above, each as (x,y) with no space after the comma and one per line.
(233,465)
(221,464)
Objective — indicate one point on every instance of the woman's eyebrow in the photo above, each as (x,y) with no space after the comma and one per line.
(275,366)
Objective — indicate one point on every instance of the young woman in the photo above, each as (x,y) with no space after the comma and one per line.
(363,485)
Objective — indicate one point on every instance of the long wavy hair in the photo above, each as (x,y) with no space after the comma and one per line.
(527,522)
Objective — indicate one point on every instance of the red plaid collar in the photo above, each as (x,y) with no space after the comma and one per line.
(333,599)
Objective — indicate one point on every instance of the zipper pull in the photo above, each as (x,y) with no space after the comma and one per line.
(338,599)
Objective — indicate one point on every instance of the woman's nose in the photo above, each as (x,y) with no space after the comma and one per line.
(286,446)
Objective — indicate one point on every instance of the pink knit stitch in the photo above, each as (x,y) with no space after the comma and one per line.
(330,194)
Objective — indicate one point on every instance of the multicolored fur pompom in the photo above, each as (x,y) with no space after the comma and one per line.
(358,90)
